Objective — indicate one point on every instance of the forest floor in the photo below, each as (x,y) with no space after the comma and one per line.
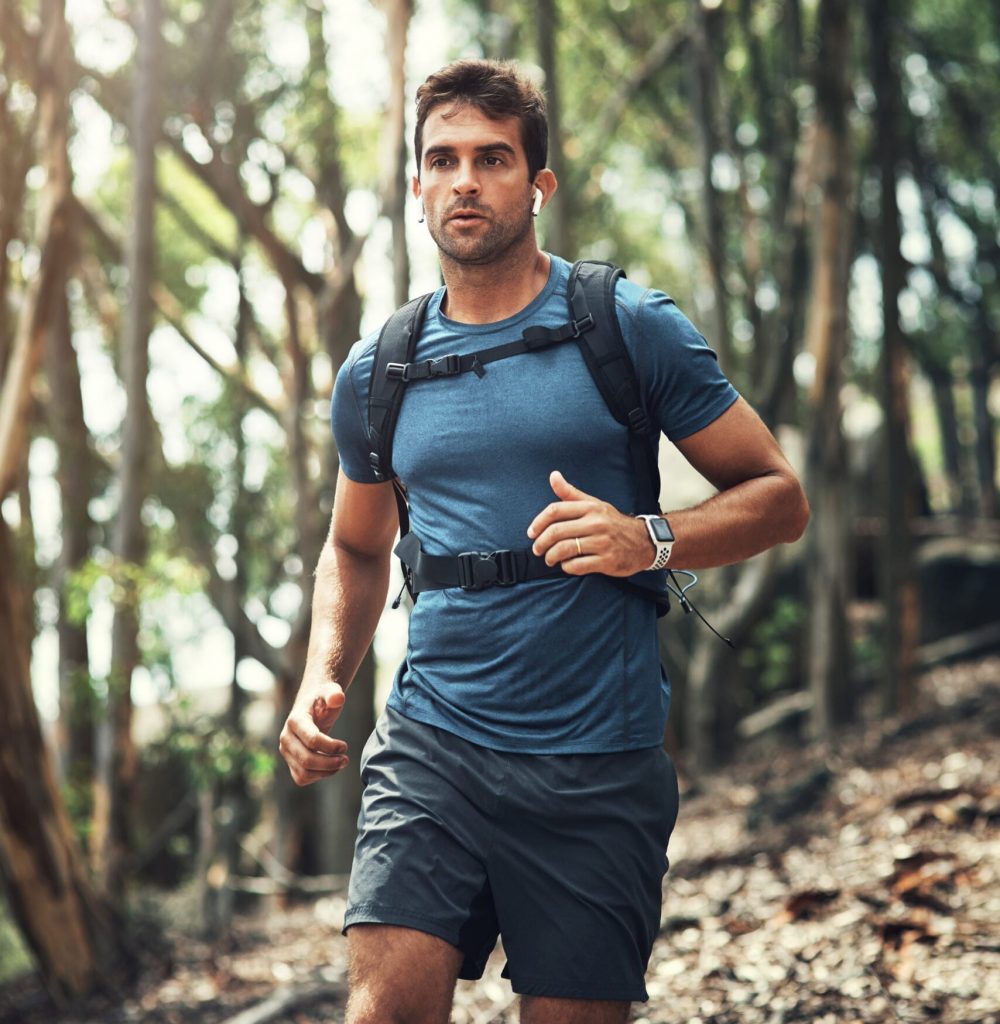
(856,882)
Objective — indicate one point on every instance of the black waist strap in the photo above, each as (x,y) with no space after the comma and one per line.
(471,570)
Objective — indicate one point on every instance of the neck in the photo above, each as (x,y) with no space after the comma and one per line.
(486,293)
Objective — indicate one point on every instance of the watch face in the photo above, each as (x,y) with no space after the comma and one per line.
(661,529)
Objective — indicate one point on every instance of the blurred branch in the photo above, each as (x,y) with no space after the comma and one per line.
(664,49)
(223,179)
(195,230)
(172,311)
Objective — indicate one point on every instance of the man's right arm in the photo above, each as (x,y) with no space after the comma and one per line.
(352,578)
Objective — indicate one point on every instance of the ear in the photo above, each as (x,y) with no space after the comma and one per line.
(545,182)
(415,186)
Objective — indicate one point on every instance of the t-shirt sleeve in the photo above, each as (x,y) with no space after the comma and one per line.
(683,384)
(349,418)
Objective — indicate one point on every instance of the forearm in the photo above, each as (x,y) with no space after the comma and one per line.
(739,522)
(348,599)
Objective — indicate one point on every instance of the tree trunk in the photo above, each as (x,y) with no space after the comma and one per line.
(228,814)
(16,157)
(899,581)
(74,936)
(749,590)
(705,27)
(558,215)
(985,444)
(75,476)
(829,537)
(397,17)
(115,748)
(942,388)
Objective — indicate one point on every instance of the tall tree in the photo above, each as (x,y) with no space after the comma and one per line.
(558,218)
(706,34)
(398,14)
(826,334)
(76,476)
(115,750)
(898,571)
(73,935)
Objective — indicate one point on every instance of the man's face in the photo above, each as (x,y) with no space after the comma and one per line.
(474,184)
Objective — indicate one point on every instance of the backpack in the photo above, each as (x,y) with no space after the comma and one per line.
(593,325)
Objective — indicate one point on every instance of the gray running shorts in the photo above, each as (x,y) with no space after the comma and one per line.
(563,855)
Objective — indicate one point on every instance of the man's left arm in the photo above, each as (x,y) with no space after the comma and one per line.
(760,503)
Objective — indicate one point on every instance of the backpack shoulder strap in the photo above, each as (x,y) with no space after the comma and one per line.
(396,344)
(591,293)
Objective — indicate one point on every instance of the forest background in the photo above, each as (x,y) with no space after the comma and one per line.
(203,205)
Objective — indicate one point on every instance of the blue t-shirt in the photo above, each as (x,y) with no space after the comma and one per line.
(563,665)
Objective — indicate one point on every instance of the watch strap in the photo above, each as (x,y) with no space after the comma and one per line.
(662,547)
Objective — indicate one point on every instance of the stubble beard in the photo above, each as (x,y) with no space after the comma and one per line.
(481,250)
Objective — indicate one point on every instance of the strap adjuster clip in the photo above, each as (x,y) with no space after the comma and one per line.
(637,421)
(446,366)
(478,570)
(582,325)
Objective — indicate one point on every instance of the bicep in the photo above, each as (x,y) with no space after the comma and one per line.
(736,446)
(364,518)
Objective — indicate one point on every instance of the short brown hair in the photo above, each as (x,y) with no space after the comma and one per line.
(497,89)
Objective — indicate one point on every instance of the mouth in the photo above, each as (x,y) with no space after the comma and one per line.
(464,218)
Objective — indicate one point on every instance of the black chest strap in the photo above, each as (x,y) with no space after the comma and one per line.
(534,339)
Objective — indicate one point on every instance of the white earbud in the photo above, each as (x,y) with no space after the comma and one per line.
(538,202)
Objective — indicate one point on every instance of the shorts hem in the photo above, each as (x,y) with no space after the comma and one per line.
(560,990)
(375,913)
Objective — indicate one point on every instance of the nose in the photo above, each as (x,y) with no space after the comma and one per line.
(466,181)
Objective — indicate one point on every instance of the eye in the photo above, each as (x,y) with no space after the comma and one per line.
(439,161)
(492,160)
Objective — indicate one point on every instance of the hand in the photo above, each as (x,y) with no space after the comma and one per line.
(611,543)
(311,755)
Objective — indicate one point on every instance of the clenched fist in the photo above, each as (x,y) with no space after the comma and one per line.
(310,754)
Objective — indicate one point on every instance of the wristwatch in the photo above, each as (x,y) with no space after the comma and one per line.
(662,537)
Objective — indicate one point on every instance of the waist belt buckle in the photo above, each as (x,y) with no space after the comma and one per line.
(478,570)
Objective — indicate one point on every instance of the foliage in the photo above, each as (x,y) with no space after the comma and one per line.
(772,659)
(14,956)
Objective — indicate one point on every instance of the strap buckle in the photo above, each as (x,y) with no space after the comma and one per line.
(582,325)
(446,366)
(478,570)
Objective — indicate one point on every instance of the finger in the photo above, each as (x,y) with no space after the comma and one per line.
(328,703)
(312,738)
(557,512)
(582,566)
(317,762)
(297,754)
(584,527)
(566,549)
(566,490)
(306,776)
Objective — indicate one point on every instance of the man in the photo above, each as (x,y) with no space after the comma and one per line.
(516,782)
